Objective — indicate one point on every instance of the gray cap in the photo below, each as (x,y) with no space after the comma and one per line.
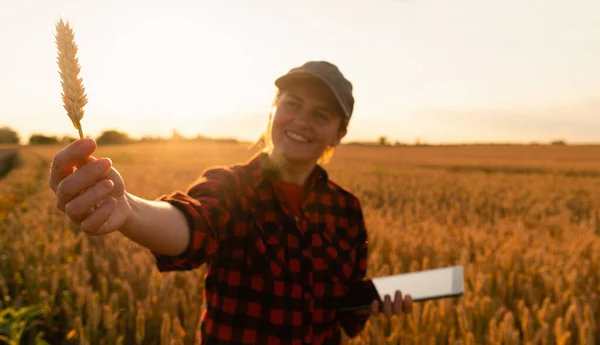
(327,73)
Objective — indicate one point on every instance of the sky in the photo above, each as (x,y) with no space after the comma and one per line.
(436,70)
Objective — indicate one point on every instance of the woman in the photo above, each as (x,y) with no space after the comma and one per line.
(281,241)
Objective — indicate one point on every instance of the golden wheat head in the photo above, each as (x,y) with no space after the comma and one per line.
(73,92)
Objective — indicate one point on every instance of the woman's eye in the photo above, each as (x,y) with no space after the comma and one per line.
(292,104)
(321,116)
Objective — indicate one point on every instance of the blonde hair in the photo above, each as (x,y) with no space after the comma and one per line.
(266,141)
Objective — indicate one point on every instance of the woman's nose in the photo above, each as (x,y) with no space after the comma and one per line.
(302,118)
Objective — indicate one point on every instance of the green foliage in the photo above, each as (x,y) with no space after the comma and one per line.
(8,160)
(383,141)
(67,139)
(9,136)
(40,139)
(19,325)
(113,137)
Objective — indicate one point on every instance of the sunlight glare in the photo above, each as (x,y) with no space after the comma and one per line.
(177,75)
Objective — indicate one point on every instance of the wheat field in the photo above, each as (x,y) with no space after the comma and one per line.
(523,220)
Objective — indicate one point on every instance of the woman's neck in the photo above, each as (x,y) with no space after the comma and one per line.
(292,171)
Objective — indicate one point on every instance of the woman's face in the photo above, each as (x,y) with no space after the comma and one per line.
(306,122)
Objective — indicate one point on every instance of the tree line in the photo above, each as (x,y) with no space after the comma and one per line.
(114,137)
(107,137)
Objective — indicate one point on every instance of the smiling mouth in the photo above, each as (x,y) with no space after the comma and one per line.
(297,137)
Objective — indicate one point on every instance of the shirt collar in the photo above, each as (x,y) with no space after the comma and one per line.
(261,170)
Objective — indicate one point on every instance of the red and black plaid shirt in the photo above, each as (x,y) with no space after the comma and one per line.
(272,278)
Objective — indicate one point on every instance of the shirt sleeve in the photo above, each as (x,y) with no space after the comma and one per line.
(352,323)
(206,205)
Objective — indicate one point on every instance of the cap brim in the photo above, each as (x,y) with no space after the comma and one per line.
(291,77)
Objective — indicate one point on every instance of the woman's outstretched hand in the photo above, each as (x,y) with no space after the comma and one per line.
(91,194)
(396,307)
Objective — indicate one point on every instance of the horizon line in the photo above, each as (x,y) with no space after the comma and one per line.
(372,141)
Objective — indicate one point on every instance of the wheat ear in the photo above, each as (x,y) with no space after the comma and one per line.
(73,92)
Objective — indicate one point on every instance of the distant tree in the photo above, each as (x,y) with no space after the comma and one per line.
(152,139)
(9,136)
(113,137)
(226,141)
(362,143)
(67,139)
(383,141)
(558,142)
(40,139)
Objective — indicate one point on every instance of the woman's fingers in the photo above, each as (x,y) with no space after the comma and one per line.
(398,303)
(80,180)
(387,306)
(95,223)
(81,206)
(408,304)
(375,307)
(396,307)
(67,158)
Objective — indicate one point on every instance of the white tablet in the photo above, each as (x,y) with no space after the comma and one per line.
(424,285)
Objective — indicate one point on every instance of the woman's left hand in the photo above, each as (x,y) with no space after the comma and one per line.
(396,307)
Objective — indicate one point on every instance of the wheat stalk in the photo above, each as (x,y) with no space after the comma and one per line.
(73,92)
